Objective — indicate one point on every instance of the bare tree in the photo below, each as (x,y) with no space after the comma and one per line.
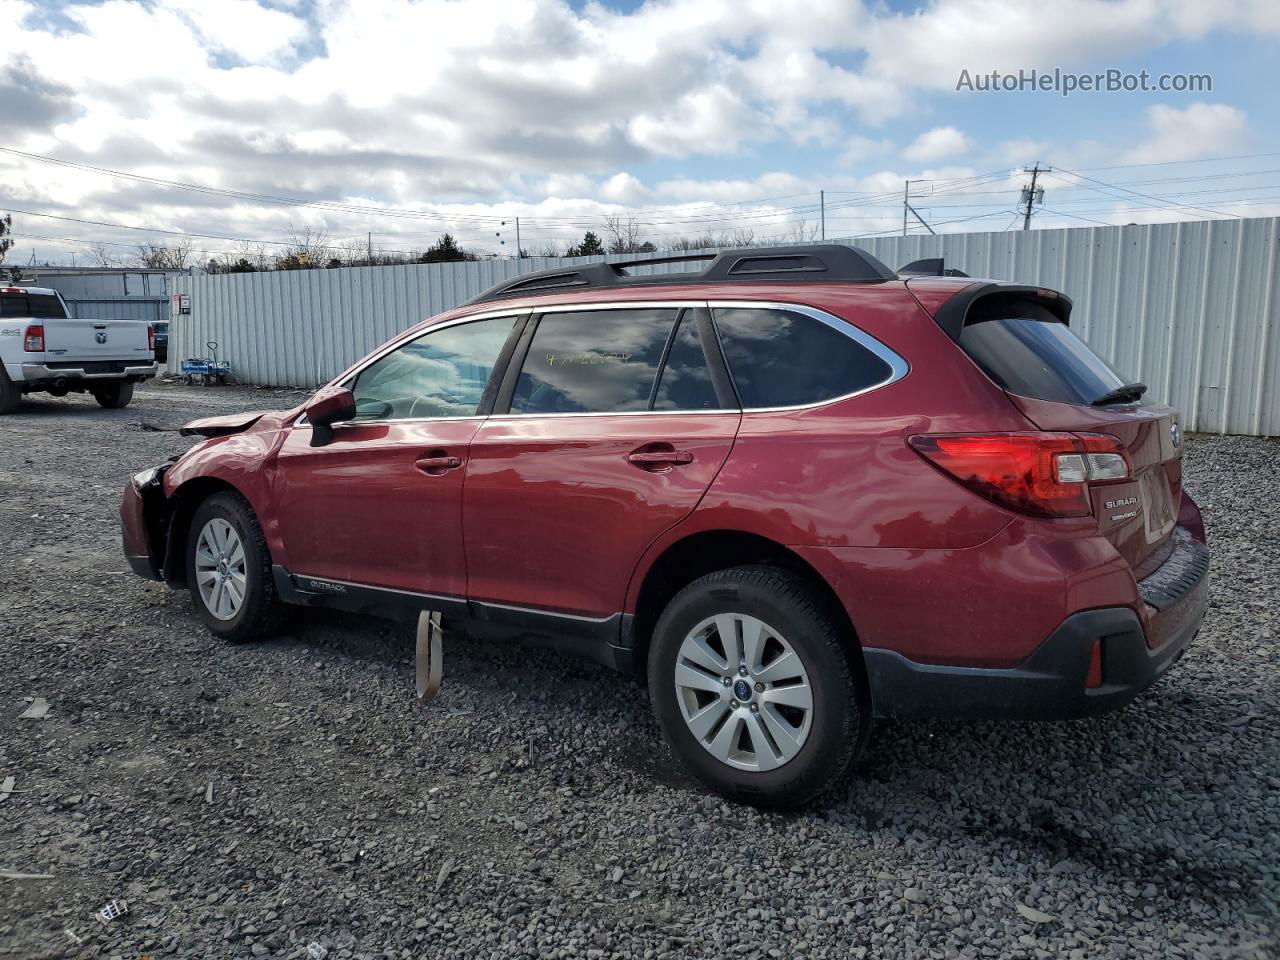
(802,232)
(101,255)
(308,248)
(713,241)
(173,256)
(624,235)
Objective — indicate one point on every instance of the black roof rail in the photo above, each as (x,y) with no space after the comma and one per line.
(815,263)
(931,267)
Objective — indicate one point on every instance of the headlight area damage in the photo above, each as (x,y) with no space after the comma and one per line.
(147,511)
(144,522)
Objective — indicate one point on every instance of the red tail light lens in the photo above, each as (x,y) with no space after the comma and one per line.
(33,341)
(151,337)
(1041,474)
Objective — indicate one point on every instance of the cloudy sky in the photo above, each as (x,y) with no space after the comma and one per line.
(407,119)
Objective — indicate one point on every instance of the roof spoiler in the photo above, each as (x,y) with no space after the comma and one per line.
(932,267)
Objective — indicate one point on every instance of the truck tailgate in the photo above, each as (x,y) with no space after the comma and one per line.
(96,340)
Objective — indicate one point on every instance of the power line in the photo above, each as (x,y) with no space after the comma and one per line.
(1160,201)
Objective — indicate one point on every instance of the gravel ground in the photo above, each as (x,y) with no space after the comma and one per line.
(530,811)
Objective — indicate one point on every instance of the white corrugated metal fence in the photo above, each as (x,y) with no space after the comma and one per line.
(1188,308)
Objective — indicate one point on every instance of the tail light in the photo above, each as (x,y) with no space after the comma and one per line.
(1041,474)
(34,338)
(151,338)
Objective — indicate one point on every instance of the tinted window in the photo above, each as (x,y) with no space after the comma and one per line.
(1026,350)
(440,374)
(685,383)
(601,361)
(784,359)
(39,305)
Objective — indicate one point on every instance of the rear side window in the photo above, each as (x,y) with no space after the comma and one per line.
(685,382)
(37,305)
(779,358)
(1027,350)
(593,361)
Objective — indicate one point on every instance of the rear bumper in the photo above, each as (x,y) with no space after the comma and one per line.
(1051,683)
(37,372)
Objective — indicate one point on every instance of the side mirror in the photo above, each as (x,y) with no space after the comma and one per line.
(326,408)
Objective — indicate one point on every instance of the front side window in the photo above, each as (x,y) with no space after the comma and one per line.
(593,361)
(439,374)
(779,358)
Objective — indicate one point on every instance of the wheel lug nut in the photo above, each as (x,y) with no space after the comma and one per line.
(727,681)
(735,704)
(759,688)
(742,671)
(755,708)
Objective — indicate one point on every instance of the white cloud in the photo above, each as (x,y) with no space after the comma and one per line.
(938,144)
(242,27)
(1198,130)
(457,106)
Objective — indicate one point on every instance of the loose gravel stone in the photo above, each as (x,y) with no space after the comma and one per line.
(531,811)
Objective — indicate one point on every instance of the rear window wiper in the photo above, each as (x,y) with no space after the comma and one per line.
(1125,394)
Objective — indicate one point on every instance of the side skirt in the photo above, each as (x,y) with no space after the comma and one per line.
(594,639)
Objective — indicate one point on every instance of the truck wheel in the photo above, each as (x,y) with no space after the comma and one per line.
(10,393)
(229,569)
(114,396)
(756,687)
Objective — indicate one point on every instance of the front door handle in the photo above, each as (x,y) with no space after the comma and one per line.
(437,465)
(659,460)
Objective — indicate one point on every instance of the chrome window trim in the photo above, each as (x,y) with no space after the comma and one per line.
(898,366)
(587,307)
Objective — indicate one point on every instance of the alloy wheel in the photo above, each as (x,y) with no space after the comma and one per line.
(220,569)
(743,692)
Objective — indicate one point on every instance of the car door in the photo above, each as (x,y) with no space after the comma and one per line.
(381,505)
(609,428)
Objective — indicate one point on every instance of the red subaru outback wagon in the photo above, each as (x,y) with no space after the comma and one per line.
(795,489)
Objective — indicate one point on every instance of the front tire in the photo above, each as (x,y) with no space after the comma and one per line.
(229,569)
(114,396)
(756,687)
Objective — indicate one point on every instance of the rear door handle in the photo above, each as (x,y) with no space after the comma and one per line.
(434,466)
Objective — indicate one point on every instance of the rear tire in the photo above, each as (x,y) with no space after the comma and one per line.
(229,570)
(114,396)
(10,393)
(777,715)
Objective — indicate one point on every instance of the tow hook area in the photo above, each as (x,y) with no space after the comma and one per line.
(430,654)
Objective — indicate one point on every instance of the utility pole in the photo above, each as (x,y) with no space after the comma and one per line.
(907,207)
(369,254)
(1032,195)
(822,206)
(518,253)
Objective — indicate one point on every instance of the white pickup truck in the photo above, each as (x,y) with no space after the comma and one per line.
(42,348)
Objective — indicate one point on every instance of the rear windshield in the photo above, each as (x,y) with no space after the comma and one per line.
(1028,351)
(31,305)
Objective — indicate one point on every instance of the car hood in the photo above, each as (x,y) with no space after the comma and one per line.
(223,426)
